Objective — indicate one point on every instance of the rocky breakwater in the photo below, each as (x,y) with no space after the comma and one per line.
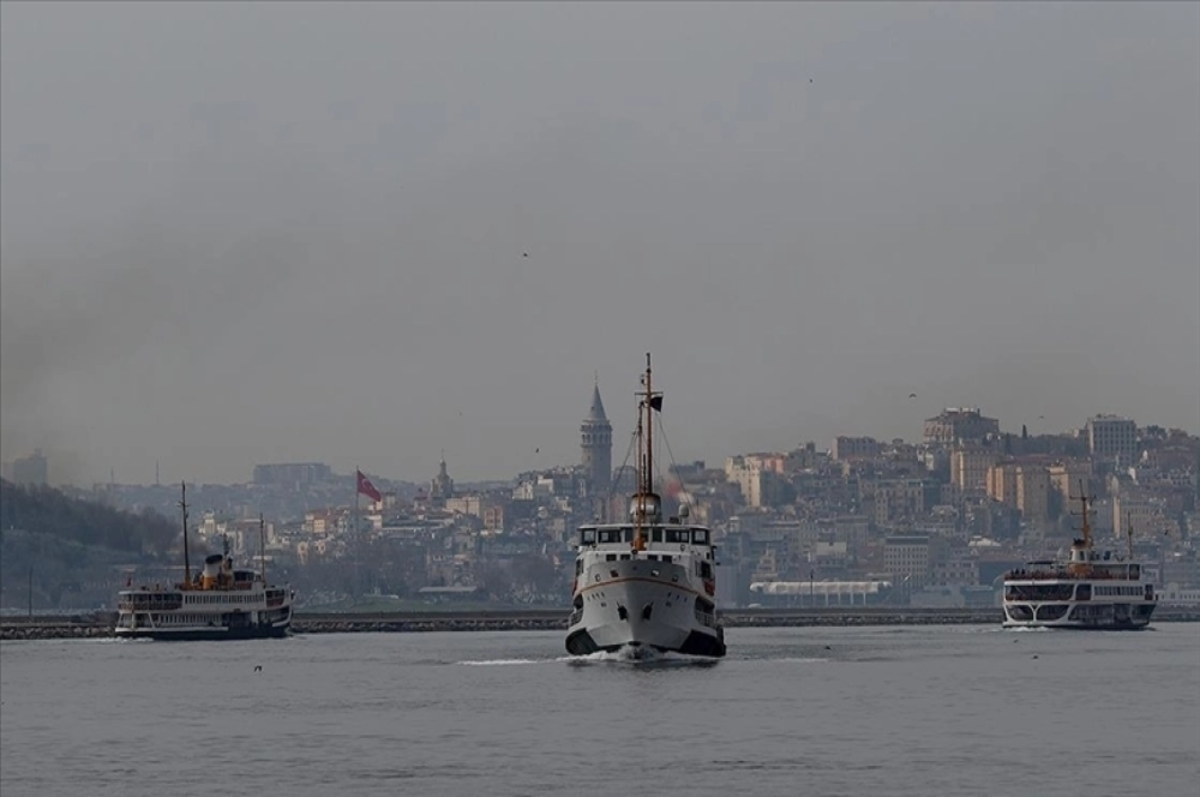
(862,615)
(100,625)
(35,629)
(555,620)
(352,623)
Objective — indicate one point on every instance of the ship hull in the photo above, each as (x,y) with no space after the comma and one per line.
(206,634)
(643,612)
(1081,616)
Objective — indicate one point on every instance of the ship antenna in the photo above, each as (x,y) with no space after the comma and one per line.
(1129,534)
(187,564)
(262,549)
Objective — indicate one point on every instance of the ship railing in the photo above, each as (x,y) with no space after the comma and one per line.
(706,618)
(1047,575)
(576,616)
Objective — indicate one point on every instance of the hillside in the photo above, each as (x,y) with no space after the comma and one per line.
(71,547)
(45,510)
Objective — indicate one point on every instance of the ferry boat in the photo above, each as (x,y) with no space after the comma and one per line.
(647,584)
(1090,589)
(219,603)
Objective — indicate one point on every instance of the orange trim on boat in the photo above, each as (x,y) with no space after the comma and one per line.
(658,581)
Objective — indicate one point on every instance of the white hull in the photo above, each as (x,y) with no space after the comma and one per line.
(648,604)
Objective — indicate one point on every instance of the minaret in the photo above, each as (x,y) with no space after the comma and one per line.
(595,442)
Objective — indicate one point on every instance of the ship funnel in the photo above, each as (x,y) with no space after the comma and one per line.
(212,569)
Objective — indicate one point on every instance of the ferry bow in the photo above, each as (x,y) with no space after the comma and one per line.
(648,583)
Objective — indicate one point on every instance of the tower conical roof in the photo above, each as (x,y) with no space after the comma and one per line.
(597,412)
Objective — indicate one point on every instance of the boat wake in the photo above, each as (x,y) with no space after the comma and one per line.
(627,655)
(502,662)
(639,655)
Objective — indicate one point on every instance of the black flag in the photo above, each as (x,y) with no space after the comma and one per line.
(656,403)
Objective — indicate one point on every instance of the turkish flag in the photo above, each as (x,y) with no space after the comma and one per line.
(366,488)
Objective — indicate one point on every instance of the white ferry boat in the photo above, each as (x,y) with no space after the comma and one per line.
(220,603)
(645,584)
(1089,590)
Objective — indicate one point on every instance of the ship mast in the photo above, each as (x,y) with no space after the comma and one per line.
(645,502)
(187,565)
(1085,525)
(1129,534)
(262,549)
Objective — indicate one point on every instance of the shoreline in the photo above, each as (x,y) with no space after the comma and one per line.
(75,627)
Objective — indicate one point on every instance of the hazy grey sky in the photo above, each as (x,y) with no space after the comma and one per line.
(251,233)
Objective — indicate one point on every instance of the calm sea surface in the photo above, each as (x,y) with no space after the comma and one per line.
(816,711)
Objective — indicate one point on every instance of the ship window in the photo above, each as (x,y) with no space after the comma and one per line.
(700,537)
(656,535)
(668,558)
(612,557)
(588,537)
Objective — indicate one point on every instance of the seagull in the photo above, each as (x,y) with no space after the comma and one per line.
(912,395)
(258,668)
(524,254)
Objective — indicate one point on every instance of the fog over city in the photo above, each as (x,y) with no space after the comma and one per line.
(364,234)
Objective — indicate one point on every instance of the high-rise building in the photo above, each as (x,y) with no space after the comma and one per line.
(1110,436)
(32,469)
(595,443)
(960,423)
(292,474)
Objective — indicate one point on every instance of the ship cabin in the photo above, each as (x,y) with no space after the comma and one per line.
(658,539)
(1056,581)
(217,583)
(1084,563)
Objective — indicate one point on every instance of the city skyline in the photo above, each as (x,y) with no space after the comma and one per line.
(465,471)
(251,233)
